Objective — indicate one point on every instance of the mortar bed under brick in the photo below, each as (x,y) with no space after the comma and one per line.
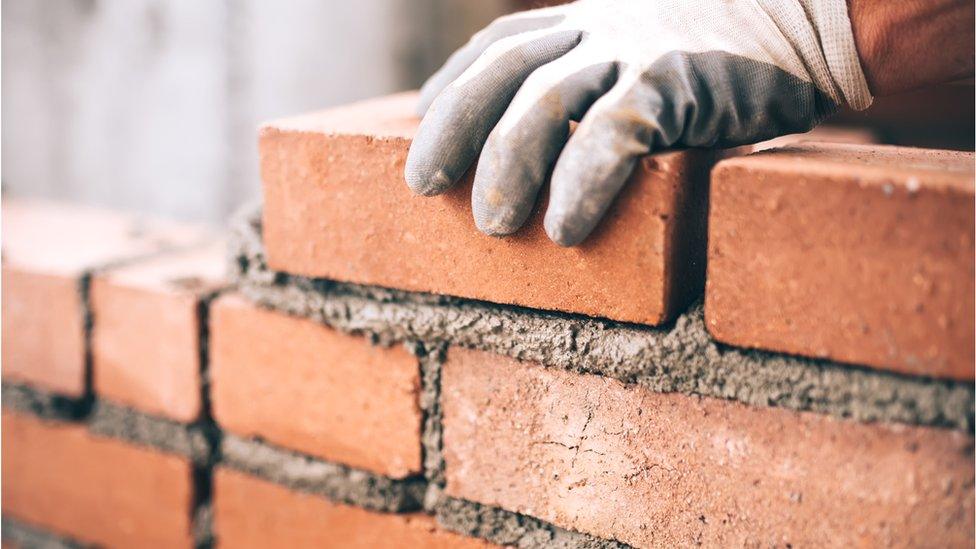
(680,358)
(334,481)
(507,528)
(20,534)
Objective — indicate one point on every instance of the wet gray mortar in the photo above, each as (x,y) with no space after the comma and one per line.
(42,403)
(27,536)
(507,528)
(113,421)
(333,481)
(680,358)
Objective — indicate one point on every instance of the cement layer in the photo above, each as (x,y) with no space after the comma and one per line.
(336,482)
(162,434)
(508,528)
(678,358)
(44,404)
(19,534)
(203,526)
(430,403)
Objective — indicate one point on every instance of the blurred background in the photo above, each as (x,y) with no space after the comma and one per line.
(153,105)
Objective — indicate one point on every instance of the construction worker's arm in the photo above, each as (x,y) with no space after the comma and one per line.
(646,75)
(912,44)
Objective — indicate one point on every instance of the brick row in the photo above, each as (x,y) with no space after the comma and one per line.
(48,250)
(249,512)
(594,455)
(146,336)
(336,206)
(61,478)
(857,254)
(277,378)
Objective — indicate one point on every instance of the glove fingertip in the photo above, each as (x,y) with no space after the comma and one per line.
(493,224)
(564,232)
(427,184)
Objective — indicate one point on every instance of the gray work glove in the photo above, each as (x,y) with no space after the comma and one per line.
(643,75)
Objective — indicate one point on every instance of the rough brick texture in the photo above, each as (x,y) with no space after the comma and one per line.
(652,469)
(47,249)
(336,206)
(146,336)
(854,253)
(41,348)
(301,385)
(249,512)
(102,491)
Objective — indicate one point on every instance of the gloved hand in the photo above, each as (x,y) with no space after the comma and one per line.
(643,75)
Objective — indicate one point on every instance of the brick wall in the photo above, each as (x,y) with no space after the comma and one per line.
(362,368)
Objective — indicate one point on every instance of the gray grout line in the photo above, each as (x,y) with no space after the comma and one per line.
(430,403)
(680,358)
(333,481)
(202,524)
(31,537)
(508,528)
(203,531)
(88,323)
(169,436)
(113,421)
(42,403)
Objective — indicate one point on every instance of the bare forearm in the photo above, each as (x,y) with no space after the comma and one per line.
(911,44)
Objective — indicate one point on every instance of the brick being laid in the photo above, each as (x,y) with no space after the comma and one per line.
(146,338)
(49,251)
(859,254)
(650,469)
(336,206)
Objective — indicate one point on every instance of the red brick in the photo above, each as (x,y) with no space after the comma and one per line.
(303,386)
(145,339)
(854,253)
(47,247)
(336,206)
(653,469)
(43,331)
(63,479)
(249,512)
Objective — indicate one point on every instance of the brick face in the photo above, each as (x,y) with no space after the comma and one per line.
(336,206)
(303,386)
(652,469)
(145,341)
(249,512)
(858,254)
(60,477)
(47,248)
(43,331)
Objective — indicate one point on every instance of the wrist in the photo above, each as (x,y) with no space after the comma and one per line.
(912,44)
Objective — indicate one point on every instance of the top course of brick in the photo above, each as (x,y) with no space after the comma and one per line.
(860,254)
(337,207)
